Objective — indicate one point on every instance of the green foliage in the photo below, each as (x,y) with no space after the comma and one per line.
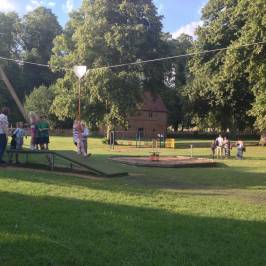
(176,76)
(31,39)
(224,83)
(37,32)
(40,100)
(8,37)
(103,33)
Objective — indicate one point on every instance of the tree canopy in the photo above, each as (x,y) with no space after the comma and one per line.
(28,38)
(226,84)
(104,33)
(219,90)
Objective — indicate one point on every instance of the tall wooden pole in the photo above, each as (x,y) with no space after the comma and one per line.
(13,93)
(79,103)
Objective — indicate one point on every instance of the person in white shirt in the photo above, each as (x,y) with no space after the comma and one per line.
(219,147)
(3,132)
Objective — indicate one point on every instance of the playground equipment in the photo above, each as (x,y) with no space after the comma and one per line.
(137,139)
(13,93)
(74,165)
(165,161)
(155,154)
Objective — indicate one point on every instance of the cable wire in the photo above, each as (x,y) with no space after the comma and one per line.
(178,56)
(139,62)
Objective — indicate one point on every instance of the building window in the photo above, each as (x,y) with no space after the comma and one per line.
(150,114)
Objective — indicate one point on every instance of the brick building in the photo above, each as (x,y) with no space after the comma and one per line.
(151,117)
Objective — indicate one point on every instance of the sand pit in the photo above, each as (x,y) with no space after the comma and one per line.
(165,161)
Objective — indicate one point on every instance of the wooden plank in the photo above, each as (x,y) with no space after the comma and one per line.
(52,153)
(13,93)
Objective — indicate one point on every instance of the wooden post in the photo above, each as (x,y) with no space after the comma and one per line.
(13,93)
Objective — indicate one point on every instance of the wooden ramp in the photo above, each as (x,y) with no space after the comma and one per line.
(69,164)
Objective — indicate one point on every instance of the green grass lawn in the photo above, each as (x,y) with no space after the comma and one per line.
(200,216)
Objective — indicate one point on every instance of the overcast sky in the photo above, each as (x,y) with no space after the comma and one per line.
(180,16)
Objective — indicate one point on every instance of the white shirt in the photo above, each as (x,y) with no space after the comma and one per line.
(220,141)
(3,124)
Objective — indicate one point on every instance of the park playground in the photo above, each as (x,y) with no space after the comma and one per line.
(133,133)
(152,216)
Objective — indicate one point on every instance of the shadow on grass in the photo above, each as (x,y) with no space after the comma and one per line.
(60,231)
(147,180)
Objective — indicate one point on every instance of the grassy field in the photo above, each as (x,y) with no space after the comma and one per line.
(199,216)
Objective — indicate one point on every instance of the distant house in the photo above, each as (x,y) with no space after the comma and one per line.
(151,117)
(149,120)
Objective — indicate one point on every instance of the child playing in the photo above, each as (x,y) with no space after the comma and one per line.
(43,127)
(19,134)
(240,147)
(213,148)
(227,148)
(84,137)
(79,138)
(17,139)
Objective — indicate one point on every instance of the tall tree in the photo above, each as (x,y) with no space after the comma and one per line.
(175,81)
(38,29)
(104,33)
(9,47)
(221,82)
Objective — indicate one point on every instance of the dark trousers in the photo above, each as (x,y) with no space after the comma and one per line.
(3,143)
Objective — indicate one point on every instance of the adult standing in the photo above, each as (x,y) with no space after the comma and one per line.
(3,132)
(219,146)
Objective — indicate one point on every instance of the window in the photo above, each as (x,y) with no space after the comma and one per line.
(150,114)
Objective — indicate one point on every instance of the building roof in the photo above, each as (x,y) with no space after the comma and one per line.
(152,103)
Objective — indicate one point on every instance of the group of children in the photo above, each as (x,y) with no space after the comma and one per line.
(222,147)
(80,137)
(39,131)
(39,128)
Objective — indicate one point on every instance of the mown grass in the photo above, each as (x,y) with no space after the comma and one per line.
(198,216)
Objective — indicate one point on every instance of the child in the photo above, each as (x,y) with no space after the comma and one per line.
(77,138)
(19,134)
(240,149)
(227,148)
(84,137)
(17,140)
(43,127)
(213,148)
(33,122)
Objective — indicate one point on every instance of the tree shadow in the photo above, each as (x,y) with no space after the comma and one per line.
(146,180)
(60,231)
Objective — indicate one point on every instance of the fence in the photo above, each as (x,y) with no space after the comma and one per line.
(134,139)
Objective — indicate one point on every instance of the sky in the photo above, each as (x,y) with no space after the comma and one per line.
(180,16)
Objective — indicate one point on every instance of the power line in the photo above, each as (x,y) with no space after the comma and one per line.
(22,62)
(178,56)
(139,62)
